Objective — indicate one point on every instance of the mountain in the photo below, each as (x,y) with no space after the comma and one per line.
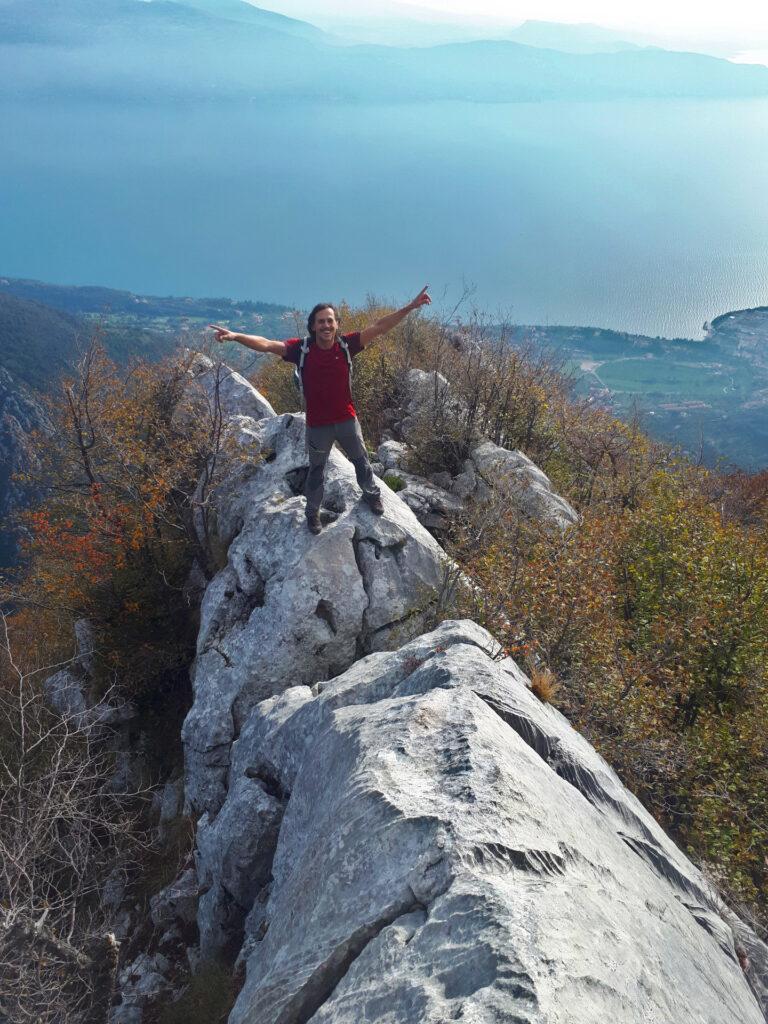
(380,805)
(114,304)
(576,38)
(36,342)
(73,22)
(41,324)
(248,14)
(40,343)
(133,50)
(21,415)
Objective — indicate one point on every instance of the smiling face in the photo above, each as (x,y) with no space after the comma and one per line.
(325,325)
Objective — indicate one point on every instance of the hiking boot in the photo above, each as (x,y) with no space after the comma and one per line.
(313,522)
(375,504)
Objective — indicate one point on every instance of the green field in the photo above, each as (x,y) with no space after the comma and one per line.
(661,380)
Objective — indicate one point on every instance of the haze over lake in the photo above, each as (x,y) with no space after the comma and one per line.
(643,215)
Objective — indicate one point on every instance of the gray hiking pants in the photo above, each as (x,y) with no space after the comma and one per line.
(349,437)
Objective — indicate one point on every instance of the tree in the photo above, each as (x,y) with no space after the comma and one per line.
(131,466)
(62,830)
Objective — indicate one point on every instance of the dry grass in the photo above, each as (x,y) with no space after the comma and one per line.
(544,685)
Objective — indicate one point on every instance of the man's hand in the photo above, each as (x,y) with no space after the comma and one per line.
(422,299)
(223,333)
(386,323)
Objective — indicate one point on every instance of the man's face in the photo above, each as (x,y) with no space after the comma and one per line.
(325,324)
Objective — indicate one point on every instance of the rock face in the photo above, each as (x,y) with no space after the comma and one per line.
(20,415)
(228,390)
(289,608)
(512,474)
(451,850)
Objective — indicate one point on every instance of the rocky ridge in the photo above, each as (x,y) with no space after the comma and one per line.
(21,414)
(390,826)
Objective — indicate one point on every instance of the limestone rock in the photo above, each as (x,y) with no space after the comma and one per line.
(452,849)
(170,805)
(65,692)
(70,691)
(393,455)
(289,608)
(21,415)
(514,475)
(234,858)
(442,479)
(228,390)
(433,506)
(465,484)
(141,983)
(427,398)
(177,902)
(489,469)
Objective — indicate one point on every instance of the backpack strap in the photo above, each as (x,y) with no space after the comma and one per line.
(298,373)
(348,354)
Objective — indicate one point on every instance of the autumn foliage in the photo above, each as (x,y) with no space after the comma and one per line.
(117,535)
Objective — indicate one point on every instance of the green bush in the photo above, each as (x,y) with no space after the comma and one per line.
(394,482)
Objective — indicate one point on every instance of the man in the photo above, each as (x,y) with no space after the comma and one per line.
(331,415)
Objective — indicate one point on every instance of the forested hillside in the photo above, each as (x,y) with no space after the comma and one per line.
(43,327)
(36,342)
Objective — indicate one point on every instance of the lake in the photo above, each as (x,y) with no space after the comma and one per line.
(643,216)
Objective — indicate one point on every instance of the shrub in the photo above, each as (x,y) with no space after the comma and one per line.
(543,684)
(63,830)
(394,482)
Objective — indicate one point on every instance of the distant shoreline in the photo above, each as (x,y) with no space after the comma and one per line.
(100,300)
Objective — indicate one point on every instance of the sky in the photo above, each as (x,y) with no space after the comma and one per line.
(736,25)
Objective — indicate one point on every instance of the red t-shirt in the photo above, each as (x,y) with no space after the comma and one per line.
(326,379)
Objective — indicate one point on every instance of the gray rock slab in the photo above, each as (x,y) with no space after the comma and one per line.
(289,608)
(228,391)
(514,475)
(22,414)
(452,849)
(433,506)
(177,902)
(393,455)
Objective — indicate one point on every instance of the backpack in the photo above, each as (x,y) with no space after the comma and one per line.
(298,372)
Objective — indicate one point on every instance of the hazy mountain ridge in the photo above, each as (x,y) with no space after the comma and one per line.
(97,299)
(43,326)
(35,339)
(36,21)
(189,50)
(570,38)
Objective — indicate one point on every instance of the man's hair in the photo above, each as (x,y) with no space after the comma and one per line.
(315,310)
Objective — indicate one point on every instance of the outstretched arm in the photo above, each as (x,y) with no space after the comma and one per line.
(258,344)
(386,323)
